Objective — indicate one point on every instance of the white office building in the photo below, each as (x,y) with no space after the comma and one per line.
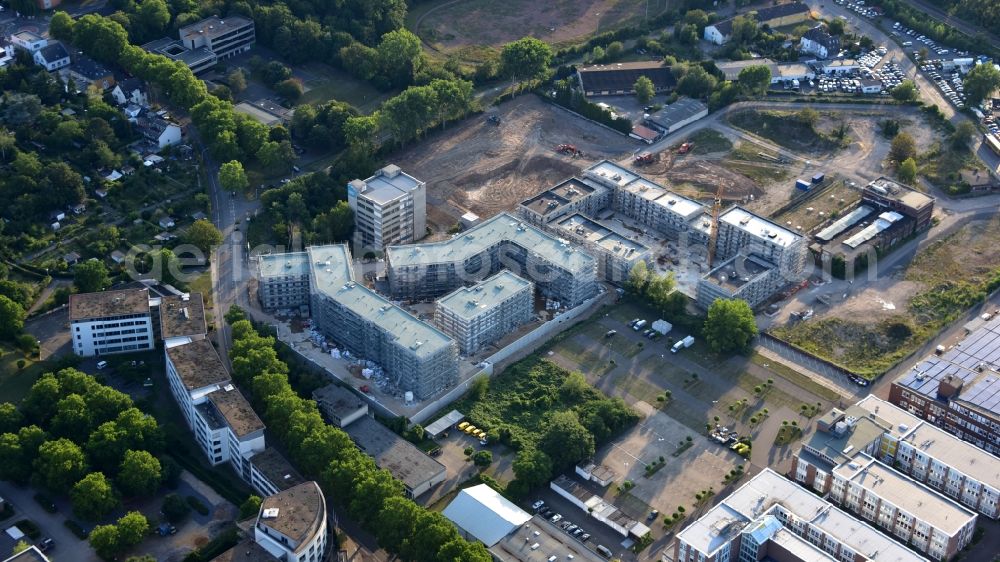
(389,208)
(223,37)
(111,322)
(225,425)
(292,524)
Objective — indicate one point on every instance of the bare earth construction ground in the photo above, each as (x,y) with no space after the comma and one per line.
(455,24)
(487,169)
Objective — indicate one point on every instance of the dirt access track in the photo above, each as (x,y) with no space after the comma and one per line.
(486,169)
(454,24)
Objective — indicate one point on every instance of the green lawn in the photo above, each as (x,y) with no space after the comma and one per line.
(15,383)
(795,377)
(784,128)
(707,141)
(331,83)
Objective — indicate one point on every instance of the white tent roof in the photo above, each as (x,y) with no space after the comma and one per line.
(485,514)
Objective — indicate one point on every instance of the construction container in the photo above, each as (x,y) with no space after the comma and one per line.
(688,341)
(662,326)
(803,185)
(818,178)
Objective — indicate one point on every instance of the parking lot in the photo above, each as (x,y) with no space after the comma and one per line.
(700,466)
(600,534)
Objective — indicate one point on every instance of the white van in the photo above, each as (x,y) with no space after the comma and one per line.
(102,364)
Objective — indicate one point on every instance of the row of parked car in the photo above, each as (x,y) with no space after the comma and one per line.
(900,30)
(950,84)
(556,519)
(859,7)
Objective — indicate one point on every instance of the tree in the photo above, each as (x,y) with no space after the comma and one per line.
(174,508)
(907,171)
(251,507)
(59,465)
(574,388)
(132,528)
(72,419)
(835,26)
(232,177)
(276,157)
(638,278)
(237,81)
(61,26)
(204,235)
(755,79)
(532,467)
(905,91)
(902,147)
(105,541)
(730,325)
(744,30)
(11,318)
(565,440)
(614,51)
(696,83)
(399,55)
(964,132)
(482,459)
(93,497)
(525,59)
(10,418)
(981,82)
(290,89)
(139,474)
(20,547)
(91,276)
(152,18)
(644,90)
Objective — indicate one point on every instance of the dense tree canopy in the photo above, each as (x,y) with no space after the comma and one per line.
(730,325)
(91,276)
(93,497)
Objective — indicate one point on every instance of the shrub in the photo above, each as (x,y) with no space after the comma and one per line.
(197,505)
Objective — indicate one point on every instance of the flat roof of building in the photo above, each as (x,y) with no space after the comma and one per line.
(469,302)
(294,264)
(213,26)
(560,195)
(860,432)
(935,442)
(388,184)
(300,512)
(609,240)
(611,174)
(492,232)
(792,70)
(892,189)
(769,489)
(905,493)
(738,271)
(687,209)
(276,468)
(235,409)
(732,68)
(338,401)
(182,315)
(198,364)
(551,541)
(759,227)
(87,306)
(403,459)
(980,389)
(800,548)
(333,275)
(28,36)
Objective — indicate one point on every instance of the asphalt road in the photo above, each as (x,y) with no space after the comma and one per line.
(965,27)
(67,546)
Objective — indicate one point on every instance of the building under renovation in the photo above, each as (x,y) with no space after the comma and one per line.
(479,315)
(560,270)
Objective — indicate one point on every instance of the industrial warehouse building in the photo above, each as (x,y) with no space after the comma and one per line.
(480,315)
(675,116)
(618,78)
